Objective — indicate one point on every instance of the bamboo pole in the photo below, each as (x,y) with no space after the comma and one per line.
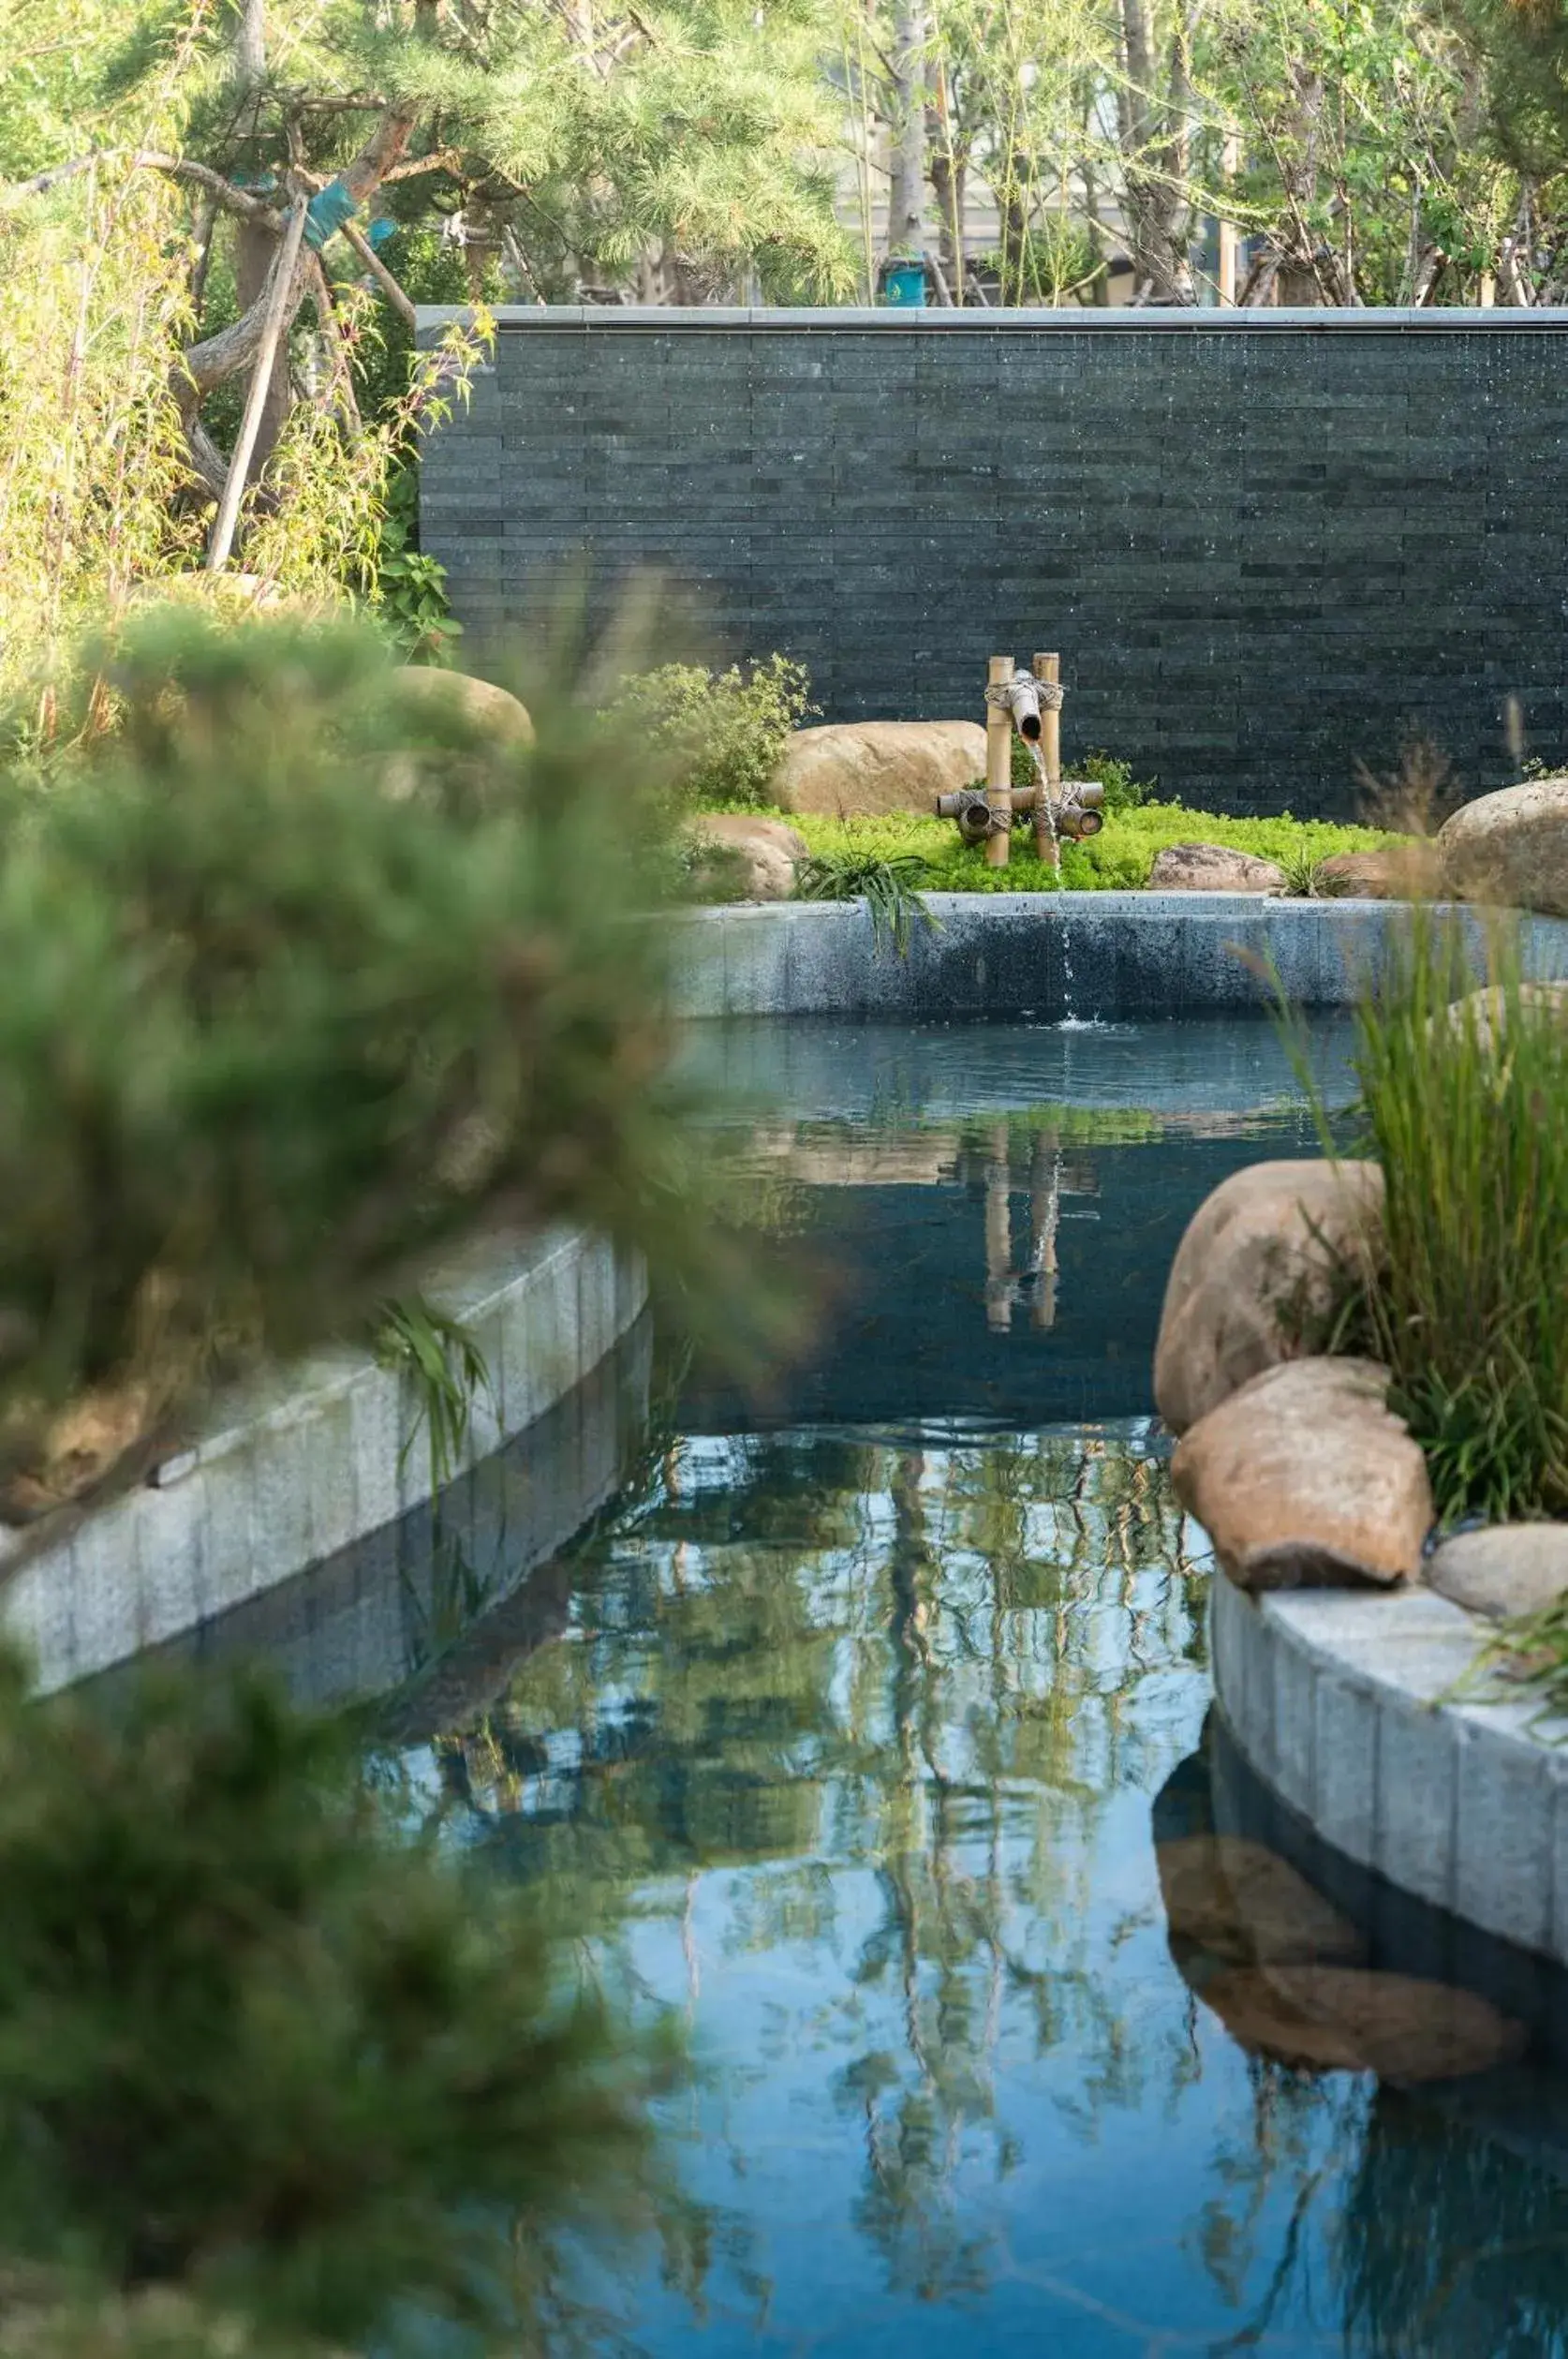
(271,329)
(1046,840)
(998,764)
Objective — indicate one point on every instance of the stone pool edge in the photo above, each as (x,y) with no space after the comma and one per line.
(1050,955)
(1344,1705)
(314,1460)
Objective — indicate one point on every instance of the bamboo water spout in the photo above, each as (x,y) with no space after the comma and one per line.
(1030,704)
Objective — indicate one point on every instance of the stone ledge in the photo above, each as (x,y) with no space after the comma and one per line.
(1050,955)
(1333,1701)
(314,1459)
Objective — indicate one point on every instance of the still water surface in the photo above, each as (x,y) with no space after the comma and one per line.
(870,1733)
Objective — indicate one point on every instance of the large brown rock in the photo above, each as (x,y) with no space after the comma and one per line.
(746,859)
(493,710)
(1409,871)
(1345,2019)
(1507,1570)
(860,769)
(1511,848)
(1306,1479)
(1213,868)
(1255,1274)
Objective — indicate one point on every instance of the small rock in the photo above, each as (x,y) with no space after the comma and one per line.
(1306,1479)
(1254,1272)
(1346,2019)
(1505,1571)
(1240,1904)
(748,859)
(1213,868)
(862,768)
(1511,848)
(481,703)
(1409,871)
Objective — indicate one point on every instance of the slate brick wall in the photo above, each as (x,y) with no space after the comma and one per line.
(1265,551)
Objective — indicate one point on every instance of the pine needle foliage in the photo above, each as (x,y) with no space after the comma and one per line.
(305,979)
(267,2060)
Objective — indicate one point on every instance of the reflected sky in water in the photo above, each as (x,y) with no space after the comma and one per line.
(874,1741)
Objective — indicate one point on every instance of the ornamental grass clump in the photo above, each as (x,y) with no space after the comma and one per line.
(1466,1106)
(303,979)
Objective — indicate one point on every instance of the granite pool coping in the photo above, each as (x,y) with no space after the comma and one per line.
(1343,1702)
(313,1458)
(1051,954)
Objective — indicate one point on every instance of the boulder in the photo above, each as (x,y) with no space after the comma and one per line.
(1306,1479)
(746,859)
(1408,871)
(1213,868)
(1506,1571)
(493,710)
(864,768)
(1346,2019)
(1255,1272)
(1511,848)
(1236,1903)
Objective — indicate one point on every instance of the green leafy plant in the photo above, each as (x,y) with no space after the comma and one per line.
(412,586)
(1123,791)
(890,887)
(263,2056)
(450,1377)
(719,735)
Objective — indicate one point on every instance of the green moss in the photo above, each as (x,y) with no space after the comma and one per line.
(1118,859)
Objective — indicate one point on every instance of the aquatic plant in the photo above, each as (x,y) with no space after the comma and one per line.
(890,887)
(1464,1103)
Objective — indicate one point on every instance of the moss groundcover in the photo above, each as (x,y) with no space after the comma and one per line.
(1116,860)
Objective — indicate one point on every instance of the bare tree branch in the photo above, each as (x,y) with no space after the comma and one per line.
(380,271)
(235,200)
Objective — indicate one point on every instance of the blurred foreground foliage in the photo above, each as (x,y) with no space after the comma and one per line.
(274,2076)
(306,975)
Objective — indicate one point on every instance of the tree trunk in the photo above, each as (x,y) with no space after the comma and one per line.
(1155,127)
(906,210)
(947,186)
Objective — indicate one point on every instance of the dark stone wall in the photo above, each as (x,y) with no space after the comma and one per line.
(1267,547)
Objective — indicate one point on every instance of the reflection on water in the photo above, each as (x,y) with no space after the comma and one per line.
(879,1759)
(876,1745)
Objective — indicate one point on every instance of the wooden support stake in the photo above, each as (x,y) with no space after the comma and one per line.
(1048,667)
(998,764)
(273,322)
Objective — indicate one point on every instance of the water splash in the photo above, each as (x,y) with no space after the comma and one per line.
(1070,1023)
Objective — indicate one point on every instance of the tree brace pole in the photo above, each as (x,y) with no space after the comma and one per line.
(277,312)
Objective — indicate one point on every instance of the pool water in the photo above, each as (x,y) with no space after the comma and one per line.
(870,1733)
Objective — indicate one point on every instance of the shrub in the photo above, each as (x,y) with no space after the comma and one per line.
(301,980)
(719,735)
(261,2052)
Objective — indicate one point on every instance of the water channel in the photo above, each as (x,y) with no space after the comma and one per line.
(867,1729)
